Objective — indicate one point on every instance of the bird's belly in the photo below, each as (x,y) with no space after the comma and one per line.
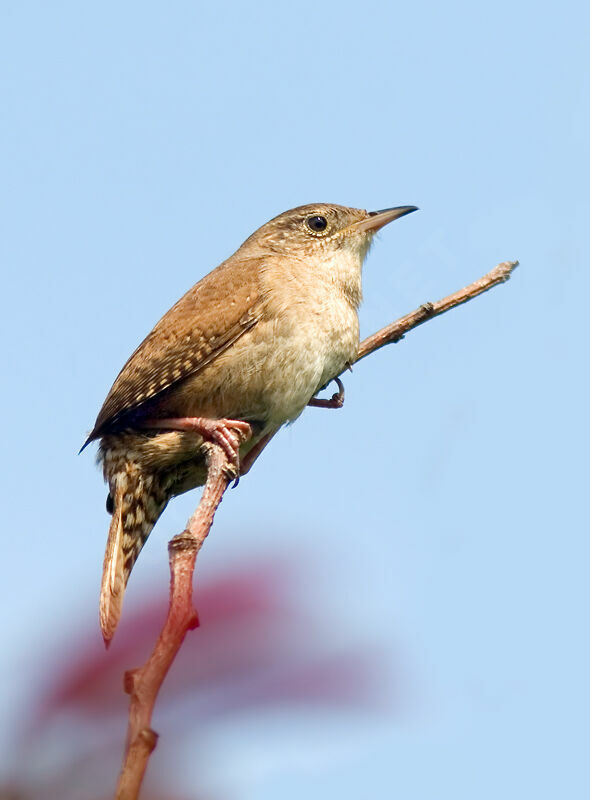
(266,379)
(289,363)
(270,374)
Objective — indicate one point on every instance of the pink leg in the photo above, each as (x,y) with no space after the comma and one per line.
(254,452)
(227,433)
(336,401)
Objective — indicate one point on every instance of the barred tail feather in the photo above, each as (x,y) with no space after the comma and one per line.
(113,583)
(137,505)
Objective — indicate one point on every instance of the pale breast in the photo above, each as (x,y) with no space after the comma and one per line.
(272,372)
(310,331)
(307,330)
(305,354)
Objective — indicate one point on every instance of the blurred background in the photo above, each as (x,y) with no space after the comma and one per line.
(394,601)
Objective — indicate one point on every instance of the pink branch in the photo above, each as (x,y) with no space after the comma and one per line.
(396,330)
(143,684)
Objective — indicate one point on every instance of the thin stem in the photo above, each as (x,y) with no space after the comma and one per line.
(143,684)
(396,330)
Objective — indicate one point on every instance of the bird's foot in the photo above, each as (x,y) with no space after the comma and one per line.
(226,433)
(336,401)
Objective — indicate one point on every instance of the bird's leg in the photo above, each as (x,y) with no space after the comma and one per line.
(254,452)
(336,401)
(227,433)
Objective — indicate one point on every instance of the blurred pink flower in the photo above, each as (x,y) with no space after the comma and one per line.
(256,648)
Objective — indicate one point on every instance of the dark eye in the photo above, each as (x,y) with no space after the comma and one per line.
(317,223)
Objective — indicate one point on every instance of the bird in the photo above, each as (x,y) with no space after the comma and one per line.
(242,353)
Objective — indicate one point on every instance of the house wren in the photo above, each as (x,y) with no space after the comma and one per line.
(244,350)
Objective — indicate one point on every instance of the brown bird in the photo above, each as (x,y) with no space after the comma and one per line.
(245,349)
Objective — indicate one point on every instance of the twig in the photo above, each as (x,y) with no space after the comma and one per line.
(143,684)
(396,330)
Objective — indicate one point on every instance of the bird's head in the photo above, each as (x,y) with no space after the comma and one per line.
(325,240)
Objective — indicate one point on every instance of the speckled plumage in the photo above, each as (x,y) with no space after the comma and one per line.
(254,340)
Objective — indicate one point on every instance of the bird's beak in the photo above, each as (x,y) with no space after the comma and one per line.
(377,219)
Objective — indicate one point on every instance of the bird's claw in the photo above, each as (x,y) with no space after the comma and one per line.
(336,401)
(228,434)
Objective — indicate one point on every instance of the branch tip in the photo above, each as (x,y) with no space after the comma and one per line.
(506,268)
(395,331)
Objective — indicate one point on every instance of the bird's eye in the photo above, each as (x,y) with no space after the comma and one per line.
(317,223)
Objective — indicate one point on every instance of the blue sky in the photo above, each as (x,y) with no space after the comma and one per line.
(444,506)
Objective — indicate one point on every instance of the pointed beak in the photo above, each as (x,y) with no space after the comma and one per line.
(377,219)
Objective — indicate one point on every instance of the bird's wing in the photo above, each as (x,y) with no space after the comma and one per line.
(204,323)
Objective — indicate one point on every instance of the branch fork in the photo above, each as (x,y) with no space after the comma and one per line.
(143,683)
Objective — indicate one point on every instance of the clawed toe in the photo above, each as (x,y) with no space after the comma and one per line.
(225,433)
(229,434)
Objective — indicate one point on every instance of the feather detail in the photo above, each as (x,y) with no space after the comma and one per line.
(138,500)
(113,576)
(178,347)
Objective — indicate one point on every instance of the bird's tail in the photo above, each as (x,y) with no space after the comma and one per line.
(137,500)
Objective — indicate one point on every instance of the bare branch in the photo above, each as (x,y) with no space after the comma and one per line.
(396,330)
(143,684)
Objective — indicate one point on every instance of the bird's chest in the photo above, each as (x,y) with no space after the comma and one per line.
(306,333)
(304,352)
